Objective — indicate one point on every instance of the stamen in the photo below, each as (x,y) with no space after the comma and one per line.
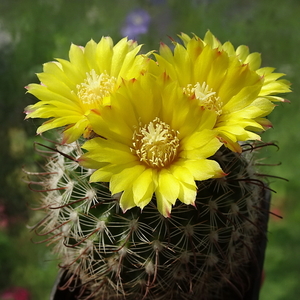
(156,144)
(208,98)
(95,87)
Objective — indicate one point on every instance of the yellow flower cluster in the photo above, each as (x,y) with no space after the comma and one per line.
(151,124)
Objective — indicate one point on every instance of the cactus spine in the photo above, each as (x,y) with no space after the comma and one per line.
(201,252)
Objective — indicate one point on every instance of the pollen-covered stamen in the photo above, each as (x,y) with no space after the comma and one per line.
(208,98)
(95,87)
(156,144)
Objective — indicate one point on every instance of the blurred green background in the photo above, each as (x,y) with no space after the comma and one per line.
(36,31)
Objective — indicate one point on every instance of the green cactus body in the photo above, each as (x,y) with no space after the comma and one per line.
(204,251)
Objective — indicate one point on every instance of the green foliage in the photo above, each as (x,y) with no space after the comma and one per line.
(18,254)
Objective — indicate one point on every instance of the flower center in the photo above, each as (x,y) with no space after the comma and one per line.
(208,98)
(95,87)
(156,144)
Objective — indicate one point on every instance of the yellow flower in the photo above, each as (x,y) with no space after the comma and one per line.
(69,90)
(227,81)
(153,140)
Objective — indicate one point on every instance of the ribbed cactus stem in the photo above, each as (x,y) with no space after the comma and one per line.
(206,251)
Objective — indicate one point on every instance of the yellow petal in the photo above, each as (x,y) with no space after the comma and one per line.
(111,151)
(54,123)
(163,206)
(126,200)
(119,130)
(77,58)
(204,169)
(254,61)
(168,185)
(200,145)
(123,180)
(244,98)
(242,52)
(104,173)
(143,188)
(187,193)
(74,132)
(182,174)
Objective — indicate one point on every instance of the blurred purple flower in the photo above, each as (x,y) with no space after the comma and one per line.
(137,23)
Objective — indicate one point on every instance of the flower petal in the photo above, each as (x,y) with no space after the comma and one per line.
(122,180)
(126,200)
(143,188)
(204,169)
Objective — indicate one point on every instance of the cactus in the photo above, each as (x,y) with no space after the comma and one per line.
(200,252)
(200,238)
